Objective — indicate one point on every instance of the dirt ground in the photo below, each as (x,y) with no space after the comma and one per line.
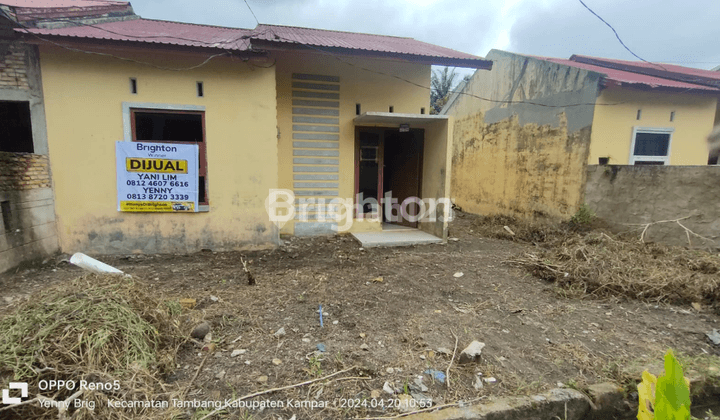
(393,313)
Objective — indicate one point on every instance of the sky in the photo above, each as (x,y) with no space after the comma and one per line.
(668,31)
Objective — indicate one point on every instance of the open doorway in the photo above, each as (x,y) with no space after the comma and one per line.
(389,164)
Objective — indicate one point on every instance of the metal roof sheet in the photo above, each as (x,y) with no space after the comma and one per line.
(629,78)
(356,41)
(670,71)
(29,10)
(157,32)
(185,34)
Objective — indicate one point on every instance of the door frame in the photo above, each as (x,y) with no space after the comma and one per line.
(381,167)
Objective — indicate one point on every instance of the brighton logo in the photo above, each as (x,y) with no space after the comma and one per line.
(282,206)
(22,386)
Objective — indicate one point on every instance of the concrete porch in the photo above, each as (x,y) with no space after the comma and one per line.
(395,235)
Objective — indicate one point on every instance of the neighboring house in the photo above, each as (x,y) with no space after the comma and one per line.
(312,111)
(525,131)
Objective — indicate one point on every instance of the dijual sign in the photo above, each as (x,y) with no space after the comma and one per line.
(157,177)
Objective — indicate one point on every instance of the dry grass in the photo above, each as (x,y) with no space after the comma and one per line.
(601,264)
(98,329)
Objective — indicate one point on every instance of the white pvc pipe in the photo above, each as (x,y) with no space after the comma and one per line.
(91,264)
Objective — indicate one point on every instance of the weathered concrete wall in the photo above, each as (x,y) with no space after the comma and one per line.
(624,195)
(27,228)
(527,156)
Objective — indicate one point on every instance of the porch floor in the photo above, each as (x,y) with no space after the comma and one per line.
(394,235)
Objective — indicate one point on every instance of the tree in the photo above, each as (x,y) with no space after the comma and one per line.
(441,83)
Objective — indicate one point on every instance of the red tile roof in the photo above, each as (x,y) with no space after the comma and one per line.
(630,79)
(264,37)
(155,32)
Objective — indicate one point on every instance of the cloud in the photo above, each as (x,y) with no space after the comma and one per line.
(666,31)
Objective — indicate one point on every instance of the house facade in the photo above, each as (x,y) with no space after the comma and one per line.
(526,130)
(270,109)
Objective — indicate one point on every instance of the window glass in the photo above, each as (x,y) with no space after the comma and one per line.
(651,144)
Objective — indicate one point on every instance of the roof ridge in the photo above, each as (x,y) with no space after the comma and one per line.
(196,24)
(639,63)
(333,30)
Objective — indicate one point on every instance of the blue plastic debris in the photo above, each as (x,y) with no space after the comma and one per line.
(437,375)
(321,347)
(320,311)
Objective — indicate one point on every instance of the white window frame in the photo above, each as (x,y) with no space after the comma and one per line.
(651,130)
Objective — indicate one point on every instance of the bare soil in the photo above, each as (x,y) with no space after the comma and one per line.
(406,305)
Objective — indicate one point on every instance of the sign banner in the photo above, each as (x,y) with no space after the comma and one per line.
(157,177)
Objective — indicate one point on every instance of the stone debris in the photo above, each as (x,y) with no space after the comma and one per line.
(277,362)
(406,403)
(478,383)
(387,388)
(418,385)
(364,346)
(220,375)
(200,331)
(238,352)
(262,379)
(471,353)
(458,274)
(714,336)
(280,333)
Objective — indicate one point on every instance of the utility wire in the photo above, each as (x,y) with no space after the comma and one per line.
(618,36)
(278,37)
(251,11)
(335,56)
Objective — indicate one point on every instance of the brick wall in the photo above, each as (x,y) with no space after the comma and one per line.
(23,171)
(27,227)
(13,67)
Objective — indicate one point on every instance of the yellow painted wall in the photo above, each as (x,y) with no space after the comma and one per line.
(612,127)
(506,168)
(437,169)
(83,97)
(374,91)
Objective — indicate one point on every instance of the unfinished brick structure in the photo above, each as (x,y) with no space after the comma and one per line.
(27,227)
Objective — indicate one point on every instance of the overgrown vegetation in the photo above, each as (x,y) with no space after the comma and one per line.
(579,257)
(96,329)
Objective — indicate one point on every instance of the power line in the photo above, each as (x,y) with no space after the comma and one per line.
(131,60)
(251,11)
(618,36)
(430,89)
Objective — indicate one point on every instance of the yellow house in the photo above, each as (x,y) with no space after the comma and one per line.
(654,114)
(319,115)
(526,130)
